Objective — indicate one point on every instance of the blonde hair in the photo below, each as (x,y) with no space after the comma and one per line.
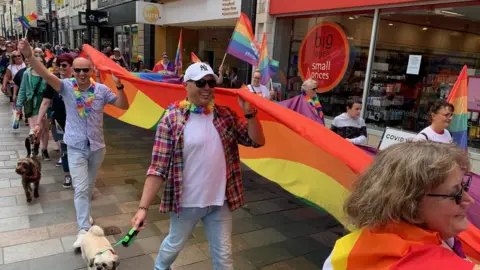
(308,84)
(392,188)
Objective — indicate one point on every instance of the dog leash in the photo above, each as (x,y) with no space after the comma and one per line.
(125,241)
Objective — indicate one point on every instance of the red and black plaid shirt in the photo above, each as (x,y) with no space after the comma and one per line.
(167,155)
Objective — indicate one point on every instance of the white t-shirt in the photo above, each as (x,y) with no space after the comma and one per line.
(261,90)
(433,136)
(205,170)
(15,68)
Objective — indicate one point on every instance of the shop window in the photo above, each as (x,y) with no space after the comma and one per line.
(419,54)
(334,52)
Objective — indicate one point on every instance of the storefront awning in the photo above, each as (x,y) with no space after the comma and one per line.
(284,7)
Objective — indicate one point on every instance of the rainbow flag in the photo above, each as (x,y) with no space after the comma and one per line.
(315,165)
(268,67)
(194,58)
(458,97)
(178,56)
(243,44)
(401,246)
(26,20)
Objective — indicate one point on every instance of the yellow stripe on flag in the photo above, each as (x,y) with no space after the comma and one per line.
(303,181)
(342,250)
(143,112)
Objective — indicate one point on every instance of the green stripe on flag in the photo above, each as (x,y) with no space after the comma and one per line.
(459,123)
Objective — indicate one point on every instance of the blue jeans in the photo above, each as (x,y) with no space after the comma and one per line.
(218,225)
(84,165)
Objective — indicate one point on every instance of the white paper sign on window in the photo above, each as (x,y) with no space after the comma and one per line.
(414,62)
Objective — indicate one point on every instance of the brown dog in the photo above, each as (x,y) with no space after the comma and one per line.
(31,171)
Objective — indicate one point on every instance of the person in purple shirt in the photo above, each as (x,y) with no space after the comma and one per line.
(84,104)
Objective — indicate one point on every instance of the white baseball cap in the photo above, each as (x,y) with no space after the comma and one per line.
(197,71)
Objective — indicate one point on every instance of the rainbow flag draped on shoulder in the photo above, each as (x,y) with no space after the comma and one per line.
(243,44)
(458,97)
(401,246)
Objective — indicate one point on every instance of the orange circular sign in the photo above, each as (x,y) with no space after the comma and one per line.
(324,55)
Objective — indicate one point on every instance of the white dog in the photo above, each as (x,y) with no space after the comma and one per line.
(97,251)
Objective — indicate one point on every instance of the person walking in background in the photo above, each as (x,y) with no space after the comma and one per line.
(140,66)
(84,104)
(258,88)
(30,97)
(118,58)
(64,63)
(164,65)
(440,115)
(196,155)
(16,64)
(350,125)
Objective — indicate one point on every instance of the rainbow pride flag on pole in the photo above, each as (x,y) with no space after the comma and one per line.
(194,58)
(267,66)
(243,44)
(178,56)
(26,20)
(458,97)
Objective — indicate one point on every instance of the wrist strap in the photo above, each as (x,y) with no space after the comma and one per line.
(143,208)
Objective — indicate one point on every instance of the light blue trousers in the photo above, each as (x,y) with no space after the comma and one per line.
(218,225)
(84,165)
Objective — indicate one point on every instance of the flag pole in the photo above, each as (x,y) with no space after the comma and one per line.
(224,56)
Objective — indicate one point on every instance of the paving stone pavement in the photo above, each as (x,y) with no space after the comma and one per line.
(272,231)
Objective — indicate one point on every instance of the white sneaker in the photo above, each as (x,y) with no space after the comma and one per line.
(90,219)
(80,236)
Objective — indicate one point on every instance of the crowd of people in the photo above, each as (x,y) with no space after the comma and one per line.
(420,187)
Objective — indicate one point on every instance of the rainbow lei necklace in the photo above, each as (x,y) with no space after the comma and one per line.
(185,104)
(315,103)
(84,107)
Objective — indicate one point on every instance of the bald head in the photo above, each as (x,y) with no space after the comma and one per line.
(81,62)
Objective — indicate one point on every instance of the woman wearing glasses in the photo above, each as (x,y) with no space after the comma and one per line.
(16,64)
(410,209)
(440,115)
(30,96)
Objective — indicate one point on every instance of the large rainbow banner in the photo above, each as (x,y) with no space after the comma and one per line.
(302,156)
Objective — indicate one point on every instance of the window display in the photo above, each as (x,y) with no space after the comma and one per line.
(418,57)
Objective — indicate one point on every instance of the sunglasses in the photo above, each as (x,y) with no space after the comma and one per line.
(78,70)
(66,66)
(459,195)
(201,83)
(15,56)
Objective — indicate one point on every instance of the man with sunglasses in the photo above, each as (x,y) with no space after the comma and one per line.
(84,104)
(196,154)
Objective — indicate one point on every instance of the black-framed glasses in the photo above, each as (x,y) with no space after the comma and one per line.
(201,83)
(459,195)
(66,66)
(78,70)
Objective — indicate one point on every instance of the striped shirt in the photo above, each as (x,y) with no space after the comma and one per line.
(84,132)
(168,159)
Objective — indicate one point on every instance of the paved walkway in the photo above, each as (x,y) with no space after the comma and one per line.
(272,231)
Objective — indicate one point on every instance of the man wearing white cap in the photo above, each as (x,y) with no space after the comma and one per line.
(196,154)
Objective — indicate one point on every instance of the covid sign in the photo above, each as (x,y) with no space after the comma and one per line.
(324,55)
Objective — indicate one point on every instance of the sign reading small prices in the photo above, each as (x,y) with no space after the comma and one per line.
(324,55)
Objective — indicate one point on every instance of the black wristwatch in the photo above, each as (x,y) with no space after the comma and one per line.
(251,115)
(121,87)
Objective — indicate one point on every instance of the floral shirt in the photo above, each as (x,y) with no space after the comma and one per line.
(168,162)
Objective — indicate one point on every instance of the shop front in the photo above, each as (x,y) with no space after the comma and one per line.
(207,34)
(79,31)
(124,32)
(397,57)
